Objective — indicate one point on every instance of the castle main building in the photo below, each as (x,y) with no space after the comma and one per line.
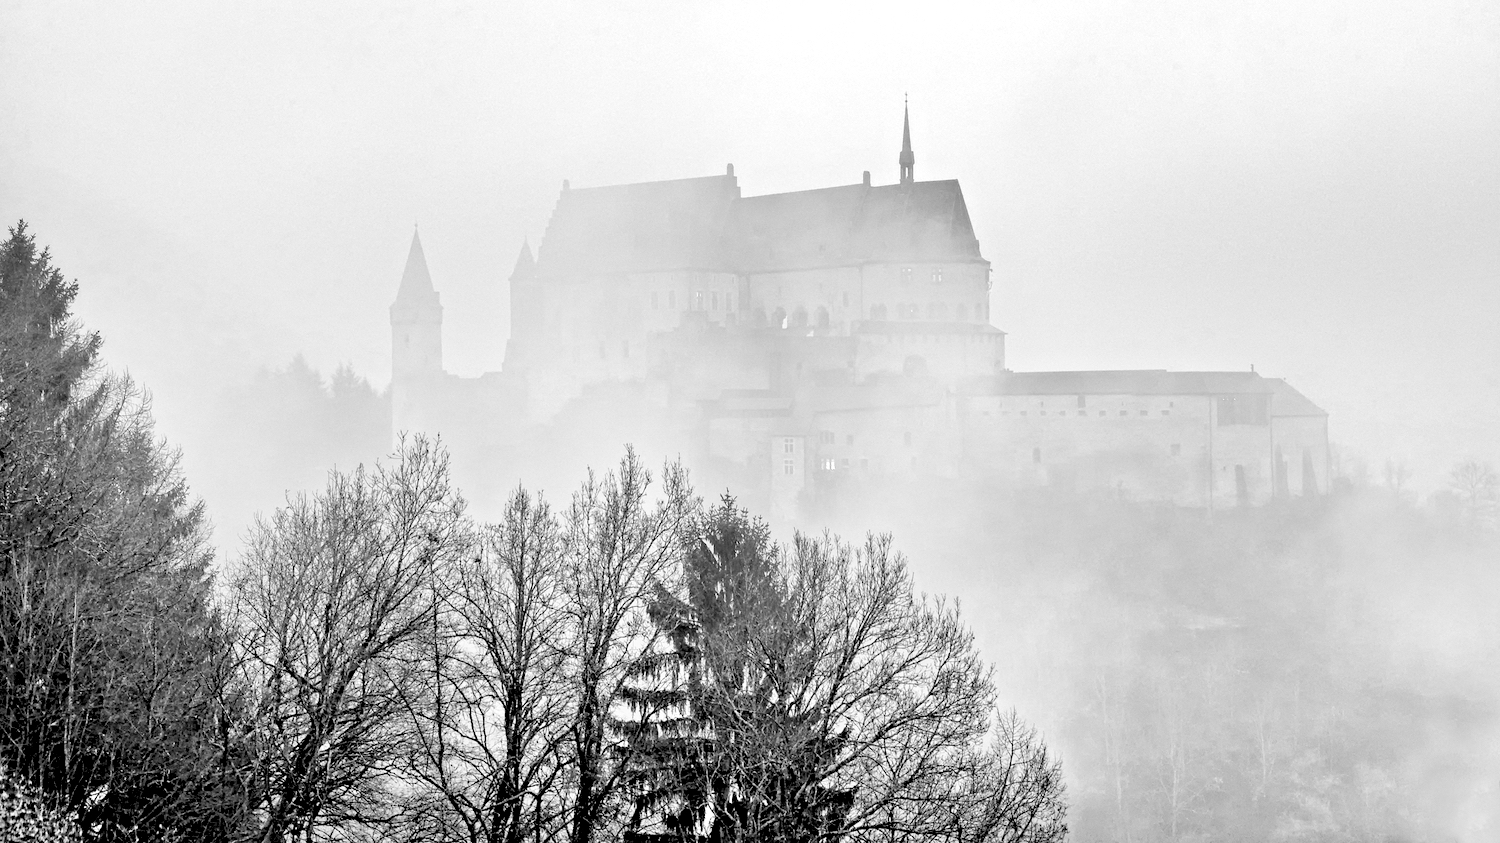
(798,341)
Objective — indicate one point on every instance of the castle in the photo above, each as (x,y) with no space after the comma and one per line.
(794,343)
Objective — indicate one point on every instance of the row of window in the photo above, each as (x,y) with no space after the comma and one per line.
(789,466)
(1036,453)
(936,311)
(831,464)
(1061,413)
(713,300)
(828,437)
(937,274)
(700,299)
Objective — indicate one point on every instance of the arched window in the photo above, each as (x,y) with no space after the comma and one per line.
(822,317)
(778,318)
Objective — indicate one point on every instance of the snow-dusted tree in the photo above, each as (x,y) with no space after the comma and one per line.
(26,815)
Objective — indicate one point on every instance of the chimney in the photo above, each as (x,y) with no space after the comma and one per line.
(867,178)
(729,170)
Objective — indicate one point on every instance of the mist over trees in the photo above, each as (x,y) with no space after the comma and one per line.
(284,427)
(377,665)
(1316,671)
(627,663)
(109,695)
(599,673)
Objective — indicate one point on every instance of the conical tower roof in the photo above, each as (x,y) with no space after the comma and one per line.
(525,263)
(416,282)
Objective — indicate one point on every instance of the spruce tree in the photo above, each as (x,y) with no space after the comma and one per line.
(109,651)
(702,701)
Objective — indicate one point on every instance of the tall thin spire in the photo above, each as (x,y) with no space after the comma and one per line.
(908,159)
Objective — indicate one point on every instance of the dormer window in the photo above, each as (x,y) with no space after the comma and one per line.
(906,274)
(937,275)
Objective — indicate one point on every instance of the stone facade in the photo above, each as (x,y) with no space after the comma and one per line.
(802,340)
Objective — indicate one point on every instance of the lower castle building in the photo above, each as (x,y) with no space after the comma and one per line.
(793,343)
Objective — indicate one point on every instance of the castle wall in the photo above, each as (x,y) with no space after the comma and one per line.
(948,355)
(904,440)
(789,474)
(1300,446)
(827,300)
(1150,447)
(931,291)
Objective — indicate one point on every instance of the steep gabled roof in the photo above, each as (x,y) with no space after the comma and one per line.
(642,227)
(923,221)
(702,223)
(789,230)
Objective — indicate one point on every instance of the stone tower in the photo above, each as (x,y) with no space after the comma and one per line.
(416,322)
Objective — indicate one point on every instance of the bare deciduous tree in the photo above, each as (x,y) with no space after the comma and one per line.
(822,700)
(621,547)
(1478,487)
(491,727)
(335,606)
(537,633)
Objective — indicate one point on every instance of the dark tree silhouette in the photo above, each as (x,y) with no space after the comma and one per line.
(109,693)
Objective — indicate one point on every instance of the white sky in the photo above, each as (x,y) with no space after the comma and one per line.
(1310,187)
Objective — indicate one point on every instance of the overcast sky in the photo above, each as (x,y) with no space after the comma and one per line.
(1313,188)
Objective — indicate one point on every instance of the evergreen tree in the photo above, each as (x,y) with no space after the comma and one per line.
(109,651)
(807,694)
(701,705)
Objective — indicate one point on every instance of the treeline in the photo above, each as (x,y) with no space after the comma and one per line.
(281,428)
(634,665)
(1321,670)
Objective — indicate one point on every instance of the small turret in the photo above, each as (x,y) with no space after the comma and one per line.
(416,320)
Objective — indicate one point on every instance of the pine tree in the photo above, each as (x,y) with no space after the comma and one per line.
(806,693)
(700,703)
(109,651)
